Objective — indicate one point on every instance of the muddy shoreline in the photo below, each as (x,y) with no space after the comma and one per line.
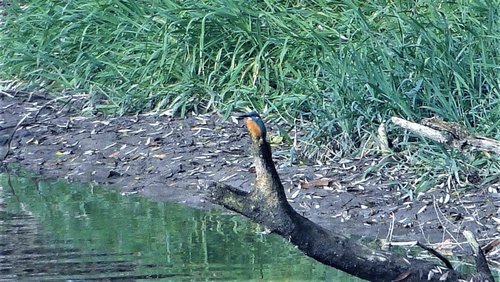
(172,159)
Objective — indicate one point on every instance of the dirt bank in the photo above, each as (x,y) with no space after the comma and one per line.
(171,159)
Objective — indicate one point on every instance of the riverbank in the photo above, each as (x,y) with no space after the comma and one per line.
(171,159)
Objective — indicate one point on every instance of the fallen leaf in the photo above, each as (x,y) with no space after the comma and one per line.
(159,156)
(445,248)
(276,140)
(316,182)
(114,155)
(422,209)
(59,153)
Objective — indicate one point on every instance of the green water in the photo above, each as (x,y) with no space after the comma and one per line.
(54,230)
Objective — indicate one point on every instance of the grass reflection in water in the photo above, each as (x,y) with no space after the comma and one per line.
(60,230)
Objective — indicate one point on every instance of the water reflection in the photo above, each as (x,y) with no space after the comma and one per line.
(55,230)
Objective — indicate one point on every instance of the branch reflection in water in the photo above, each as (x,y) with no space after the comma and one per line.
(60,230)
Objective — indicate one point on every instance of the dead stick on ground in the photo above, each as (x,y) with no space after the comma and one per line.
(450,134)
(421,130)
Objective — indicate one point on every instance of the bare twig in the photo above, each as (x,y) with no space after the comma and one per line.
(491,245)
(9,141)
(439,215)
(437,254)
(50,102)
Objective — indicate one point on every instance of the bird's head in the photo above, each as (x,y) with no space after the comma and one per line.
(255,125)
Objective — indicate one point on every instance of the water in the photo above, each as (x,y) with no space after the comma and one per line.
(54,230)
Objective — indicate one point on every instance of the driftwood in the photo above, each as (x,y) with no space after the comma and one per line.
(449,133)
(267,204)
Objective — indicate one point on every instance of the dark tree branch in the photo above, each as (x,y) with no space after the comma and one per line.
(267,204)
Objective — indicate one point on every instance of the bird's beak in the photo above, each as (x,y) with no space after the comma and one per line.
(243,116)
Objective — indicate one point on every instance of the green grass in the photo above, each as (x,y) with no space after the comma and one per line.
(335,69)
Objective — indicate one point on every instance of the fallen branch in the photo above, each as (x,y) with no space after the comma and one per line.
(449,133)
(267,204)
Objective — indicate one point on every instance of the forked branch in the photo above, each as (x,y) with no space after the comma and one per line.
(267,205)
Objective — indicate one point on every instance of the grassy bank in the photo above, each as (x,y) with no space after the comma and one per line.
(336,69)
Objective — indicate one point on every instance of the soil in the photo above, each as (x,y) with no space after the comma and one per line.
(172,159)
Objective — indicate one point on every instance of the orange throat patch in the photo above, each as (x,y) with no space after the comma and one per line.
(253,128)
